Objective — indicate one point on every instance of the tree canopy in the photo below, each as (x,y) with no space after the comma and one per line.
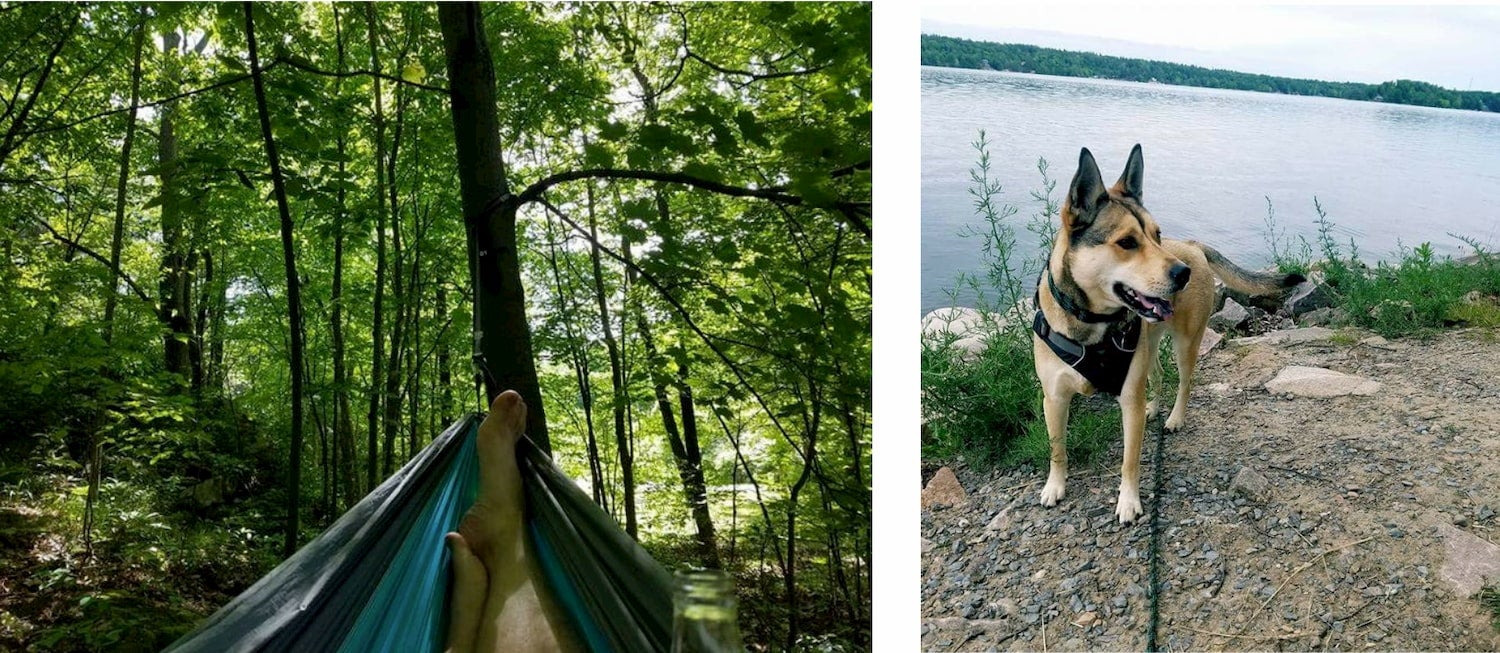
(963,53)
(241,284)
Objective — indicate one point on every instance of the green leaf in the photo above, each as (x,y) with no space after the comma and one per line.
(613,131)
(596,155)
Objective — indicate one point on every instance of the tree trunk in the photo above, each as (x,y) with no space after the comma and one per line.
(96,453)
(579,358)
(343,420)
(445,363)
(175,304)
(377,334)
(294,291)
(684,445)
(399,292)
(118,239)
(501,328)
(616,378)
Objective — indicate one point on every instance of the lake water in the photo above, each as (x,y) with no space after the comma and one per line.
(1386,174)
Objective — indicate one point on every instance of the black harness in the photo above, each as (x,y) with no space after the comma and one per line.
(1106,363)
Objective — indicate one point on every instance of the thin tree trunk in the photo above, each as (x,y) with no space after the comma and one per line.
(216,373)
(376,327)
(415,358)
(501,329)
(445,362)
(616,377)
(118,239)
(343,420)
(696,488)
(399,292)
(579,358)
(96,453)
(294,290)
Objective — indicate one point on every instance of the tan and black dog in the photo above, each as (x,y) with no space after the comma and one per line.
(1110,271)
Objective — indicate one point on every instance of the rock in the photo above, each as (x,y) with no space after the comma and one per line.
(1001,522)
(966,325)
(1250,483)
(1230,317)
(943,490)
(1319,383)
(1468,562)
(1256,366)
(1307,296)
(1290,336)
(1211,339)
(209,493)
(1325,316)
(1087,618)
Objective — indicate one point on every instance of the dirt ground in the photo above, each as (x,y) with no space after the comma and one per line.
(1344,548)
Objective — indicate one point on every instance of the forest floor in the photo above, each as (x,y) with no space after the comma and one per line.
(1289,523)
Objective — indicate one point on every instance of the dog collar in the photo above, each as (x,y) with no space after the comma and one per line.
(1072,308)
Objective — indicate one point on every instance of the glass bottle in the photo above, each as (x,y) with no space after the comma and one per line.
(705,615)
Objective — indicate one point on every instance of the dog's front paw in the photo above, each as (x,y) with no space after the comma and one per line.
(1128,508)
(1053,492)
(1151,409)
(1176,421)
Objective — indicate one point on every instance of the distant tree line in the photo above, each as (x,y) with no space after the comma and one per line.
(963,53)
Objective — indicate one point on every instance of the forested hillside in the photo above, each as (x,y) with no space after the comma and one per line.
(255,256)
(963,53)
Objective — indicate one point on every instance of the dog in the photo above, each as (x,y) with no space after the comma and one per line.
(499,600)
(1111,287)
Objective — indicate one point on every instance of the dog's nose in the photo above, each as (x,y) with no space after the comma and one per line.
(1179,274)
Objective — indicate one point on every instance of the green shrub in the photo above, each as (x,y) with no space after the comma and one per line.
(1417,294)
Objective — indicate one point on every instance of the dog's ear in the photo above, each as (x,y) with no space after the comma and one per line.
(1086,195)
(1134,176)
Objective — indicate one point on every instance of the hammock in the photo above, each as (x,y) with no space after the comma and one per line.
(377,579)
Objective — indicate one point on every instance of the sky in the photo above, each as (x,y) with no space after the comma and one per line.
(1452,46)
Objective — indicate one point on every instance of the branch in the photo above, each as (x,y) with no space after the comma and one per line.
(534,192)
(306,66)
(96,256)
(753,76)
(230,81)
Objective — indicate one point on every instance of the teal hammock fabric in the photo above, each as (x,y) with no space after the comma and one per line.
(377,579)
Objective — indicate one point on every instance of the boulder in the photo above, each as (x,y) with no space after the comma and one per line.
(1229,318)
(1307,296)
(943,490)
(1319,383)
(1327,316)
(1469,562)
(1210,340)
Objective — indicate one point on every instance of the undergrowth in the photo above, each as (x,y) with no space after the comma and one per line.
(1418,293)
(1489,597)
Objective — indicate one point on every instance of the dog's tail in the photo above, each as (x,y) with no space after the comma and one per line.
(1245,281)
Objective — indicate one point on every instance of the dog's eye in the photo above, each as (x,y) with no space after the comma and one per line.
(1127,242)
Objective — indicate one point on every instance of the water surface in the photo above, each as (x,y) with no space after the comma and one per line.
(1386,174)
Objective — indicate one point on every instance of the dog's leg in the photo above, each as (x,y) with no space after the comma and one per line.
(1055,405)
(1185,351)
(1133,416)
(1152,342)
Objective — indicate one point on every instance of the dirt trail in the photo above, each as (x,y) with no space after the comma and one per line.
(1348,546)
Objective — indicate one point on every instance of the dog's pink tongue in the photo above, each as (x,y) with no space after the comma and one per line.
(1160,307)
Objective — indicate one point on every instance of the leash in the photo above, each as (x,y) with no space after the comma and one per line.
(1155,581)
